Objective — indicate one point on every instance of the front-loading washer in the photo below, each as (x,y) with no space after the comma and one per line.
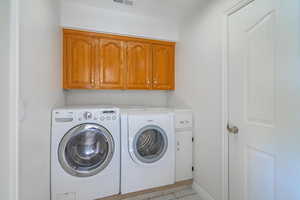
(85,153)
(148,149)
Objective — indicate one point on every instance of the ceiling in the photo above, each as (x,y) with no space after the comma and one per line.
(170,9)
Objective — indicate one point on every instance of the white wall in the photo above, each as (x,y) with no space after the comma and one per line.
(81,16)
(9,100)
(5,99)
(76,15)
(40,91)
(199,67)
(199,86)
(126,97)
(288,101)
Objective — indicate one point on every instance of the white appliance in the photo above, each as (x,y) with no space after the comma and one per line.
(148,149)
(85,153)
(184,144)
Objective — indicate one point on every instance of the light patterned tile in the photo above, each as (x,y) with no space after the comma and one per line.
(179,193)
(190,197)
(185,192)
(139,197)
(169,191)
(165,197)
(147,196)
(135,198)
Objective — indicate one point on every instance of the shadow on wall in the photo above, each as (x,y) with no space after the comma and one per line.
(198,86)
(117,97)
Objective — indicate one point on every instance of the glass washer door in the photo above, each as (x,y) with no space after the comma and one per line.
(86,150)
(150,144)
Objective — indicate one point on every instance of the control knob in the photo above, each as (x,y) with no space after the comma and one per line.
(88,115)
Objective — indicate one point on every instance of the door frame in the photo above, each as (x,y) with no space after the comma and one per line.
(14,117)
(228,11)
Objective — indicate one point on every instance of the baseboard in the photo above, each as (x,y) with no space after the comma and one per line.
(202,193)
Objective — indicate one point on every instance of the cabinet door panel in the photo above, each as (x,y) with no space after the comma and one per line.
(112,59)
(184,155)
(138,65)
(79,62)
(163,67)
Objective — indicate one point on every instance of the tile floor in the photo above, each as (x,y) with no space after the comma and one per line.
(179,193)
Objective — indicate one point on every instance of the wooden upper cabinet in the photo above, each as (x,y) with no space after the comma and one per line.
(111,61)
(163,67)
(104,61)
(139,73)
(79,62)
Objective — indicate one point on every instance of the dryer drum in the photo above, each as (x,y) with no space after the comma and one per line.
(150,144)
(86,150)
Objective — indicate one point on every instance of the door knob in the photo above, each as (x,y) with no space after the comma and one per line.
(232,129)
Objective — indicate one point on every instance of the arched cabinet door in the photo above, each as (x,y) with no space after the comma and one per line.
(163,67)
(111,63)
(79,62)
(139,70)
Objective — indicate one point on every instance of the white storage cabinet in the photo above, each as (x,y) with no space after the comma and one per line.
(184,144)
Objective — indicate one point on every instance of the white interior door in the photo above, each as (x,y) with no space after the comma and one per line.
(258,157)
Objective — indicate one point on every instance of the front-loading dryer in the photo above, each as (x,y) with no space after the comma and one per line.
(148,150)
(85,153)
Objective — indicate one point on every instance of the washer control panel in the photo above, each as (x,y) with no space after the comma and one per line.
(62,116)
(88,115)
(108,115)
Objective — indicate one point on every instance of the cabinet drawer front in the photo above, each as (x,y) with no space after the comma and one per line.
(183,120)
